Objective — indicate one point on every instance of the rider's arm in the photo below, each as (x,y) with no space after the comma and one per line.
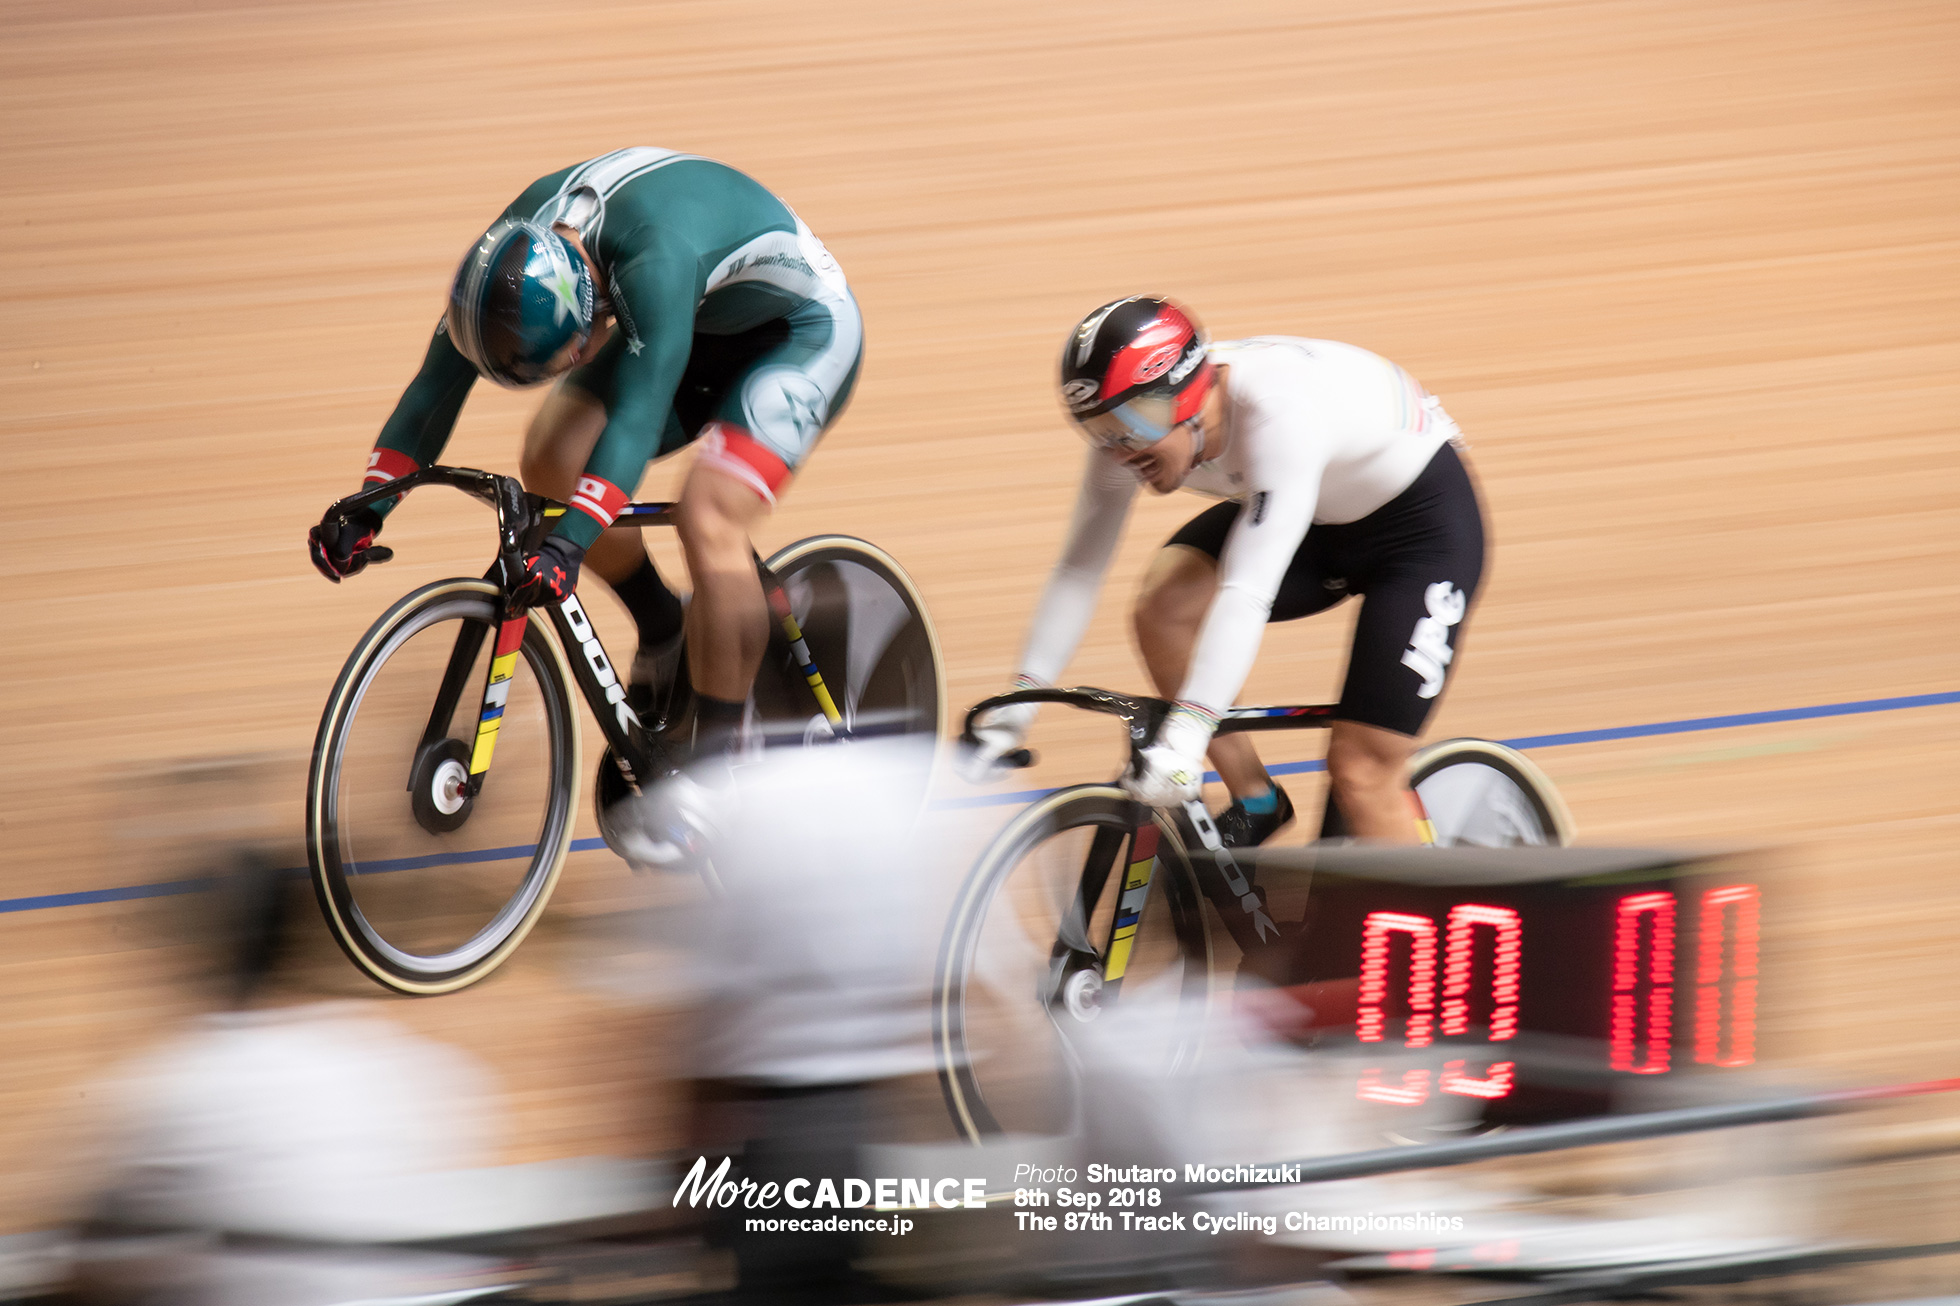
(653,299)
(1284,463)
(415,433)
(1069,599)
(423,418)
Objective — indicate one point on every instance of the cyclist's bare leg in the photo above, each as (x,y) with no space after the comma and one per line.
(1170,609)
(728,621)
(556,446)
(1369,768)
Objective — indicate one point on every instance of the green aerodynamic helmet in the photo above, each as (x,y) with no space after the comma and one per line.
(521,296)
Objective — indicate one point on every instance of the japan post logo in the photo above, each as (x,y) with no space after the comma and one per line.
(1429,651)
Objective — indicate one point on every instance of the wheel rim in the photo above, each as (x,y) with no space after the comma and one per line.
(427,904)
(869,635)
(1483,794)
(1023,995)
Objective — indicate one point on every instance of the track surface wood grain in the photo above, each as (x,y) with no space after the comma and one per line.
(1684,272)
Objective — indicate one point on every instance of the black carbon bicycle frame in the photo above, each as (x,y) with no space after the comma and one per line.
(1219,875)
(521,520)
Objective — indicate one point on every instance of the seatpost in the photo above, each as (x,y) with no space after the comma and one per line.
(778,601)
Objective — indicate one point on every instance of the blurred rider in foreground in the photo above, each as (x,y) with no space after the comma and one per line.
(816,969)
(284,1150)
(1338,475)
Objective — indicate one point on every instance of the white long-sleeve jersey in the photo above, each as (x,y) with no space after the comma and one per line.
(1315,431)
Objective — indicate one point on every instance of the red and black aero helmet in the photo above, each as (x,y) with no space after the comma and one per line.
(1141,360)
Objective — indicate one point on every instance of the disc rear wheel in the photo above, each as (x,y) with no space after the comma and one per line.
(1478,793)
(869,637)
(1485,795)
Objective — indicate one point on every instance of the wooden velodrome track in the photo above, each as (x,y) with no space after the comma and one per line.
(1684,272)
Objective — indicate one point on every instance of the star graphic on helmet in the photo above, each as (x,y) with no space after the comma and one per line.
(802,414)
(564,293)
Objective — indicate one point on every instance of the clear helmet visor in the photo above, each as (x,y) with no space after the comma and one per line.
(1136,424)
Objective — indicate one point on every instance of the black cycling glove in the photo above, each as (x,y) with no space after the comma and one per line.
(550,574)
(342,550)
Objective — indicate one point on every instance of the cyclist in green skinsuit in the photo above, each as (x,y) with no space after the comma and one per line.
(682,304)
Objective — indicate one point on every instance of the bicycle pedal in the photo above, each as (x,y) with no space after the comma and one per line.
(642,845)
(669,825)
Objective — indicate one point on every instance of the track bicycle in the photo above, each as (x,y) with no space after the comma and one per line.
(1087,896)
(431,864)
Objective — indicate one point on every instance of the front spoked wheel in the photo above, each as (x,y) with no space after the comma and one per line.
(869,637)
(1035,954)
(429,877)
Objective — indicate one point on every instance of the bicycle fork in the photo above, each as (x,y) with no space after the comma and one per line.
(593,672)
(1244,913)
(496,693)
(490,713)
(1142,865)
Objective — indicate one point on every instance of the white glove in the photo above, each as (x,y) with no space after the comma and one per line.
(1174,763)
(999,732)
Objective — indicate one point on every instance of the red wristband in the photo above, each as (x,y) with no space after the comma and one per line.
(598,498)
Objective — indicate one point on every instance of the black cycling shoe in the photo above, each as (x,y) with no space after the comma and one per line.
(1238,828)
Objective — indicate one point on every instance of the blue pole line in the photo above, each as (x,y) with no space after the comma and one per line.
(1688,725)
(1682,727)
(170,887)
(1737,719)
(164,890)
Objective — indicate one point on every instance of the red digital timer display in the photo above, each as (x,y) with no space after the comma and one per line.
(1524,985)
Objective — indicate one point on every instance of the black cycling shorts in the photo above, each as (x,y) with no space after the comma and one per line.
(1415,561)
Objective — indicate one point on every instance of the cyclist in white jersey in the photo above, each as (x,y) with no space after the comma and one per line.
(1339,476)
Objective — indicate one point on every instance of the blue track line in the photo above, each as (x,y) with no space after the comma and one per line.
(163,890)
(1580,737)
(1690,725)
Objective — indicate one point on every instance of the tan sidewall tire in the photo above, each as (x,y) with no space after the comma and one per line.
(339,703)
(790,554)
(1427,760)
(1004,851)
